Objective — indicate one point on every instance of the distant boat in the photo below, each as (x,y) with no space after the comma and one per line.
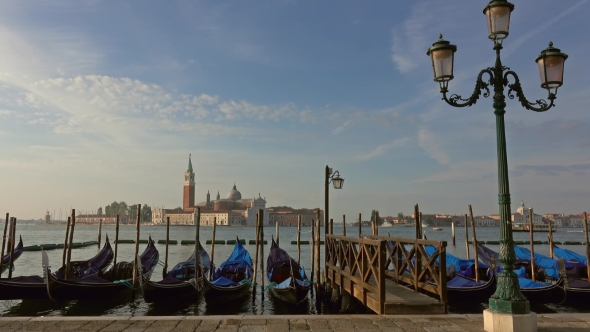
(523,227)
(386,224)
(437,228)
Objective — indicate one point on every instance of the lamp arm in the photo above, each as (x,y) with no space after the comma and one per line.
(517,88)
(480,84)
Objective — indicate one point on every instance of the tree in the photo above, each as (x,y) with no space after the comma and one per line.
(132,213)
(99,211)
(146,214)
(400,216)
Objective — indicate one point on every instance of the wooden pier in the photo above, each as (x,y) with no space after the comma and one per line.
(389,275)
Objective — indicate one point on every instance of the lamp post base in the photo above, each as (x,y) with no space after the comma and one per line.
(498,322)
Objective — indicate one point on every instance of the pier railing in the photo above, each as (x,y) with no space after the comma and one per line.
(362,266)
(409,263)
(358,265)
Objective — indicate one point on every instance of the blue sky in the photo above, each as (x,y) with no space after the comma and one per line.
(103,101)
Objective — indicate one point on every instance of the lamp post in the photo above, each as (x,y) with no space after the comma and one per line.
(338,182)
(508,298)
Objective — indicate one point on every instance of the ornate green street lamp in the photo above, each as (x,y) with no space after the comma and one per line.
(508,297)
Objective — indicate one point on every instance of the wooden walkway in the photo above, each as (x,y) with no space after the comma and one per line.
(364,268)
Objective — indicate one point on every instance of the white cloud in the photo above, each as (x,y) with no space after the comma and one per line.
(382,149)
(432,146)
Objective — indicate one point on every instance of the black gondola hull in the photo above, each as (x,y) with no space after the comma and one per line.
(159,292)
(216,294)
(462,296)
(554,293)
(292,295)
(13,290)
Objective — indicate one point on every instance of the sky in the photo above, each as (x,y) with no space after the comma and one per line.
(103,101)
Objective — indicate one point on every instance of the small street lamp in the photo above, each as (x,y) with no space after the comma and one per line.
(338,182)
(508,298)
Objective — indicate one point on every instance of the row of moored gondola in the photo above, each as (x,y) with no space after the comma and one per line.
(98,279)
(555,282)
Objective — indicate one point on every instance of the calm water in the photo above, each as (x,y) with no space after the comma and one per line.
(30,264)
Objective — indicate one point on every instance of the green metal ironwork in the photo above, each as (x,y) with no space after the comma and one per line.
(508,298)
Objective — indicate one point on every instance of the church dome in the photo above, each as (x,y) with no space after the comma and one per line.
(234,194)
(522,209)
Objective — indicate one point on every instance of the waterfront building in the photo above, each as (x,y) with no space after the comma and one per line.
(287,216)
(522,216)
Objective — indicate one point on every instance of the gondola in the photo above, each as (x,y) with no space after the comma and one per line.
(288,280)
(116,282)
(233,278)
(578,287)
(179,283)
(18,250)
(462,288)
(463,291)
(33,287)
(535,292)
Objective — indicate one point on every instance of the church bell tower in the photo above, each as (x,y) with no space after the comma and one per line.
(188,201)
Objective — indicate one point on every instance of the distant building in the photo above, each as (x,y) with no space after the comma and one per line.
(522,216)
(95,219)
(287,216)
(230,211)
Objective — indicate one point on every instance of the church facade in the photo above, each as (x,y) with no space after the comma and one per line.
(230,211)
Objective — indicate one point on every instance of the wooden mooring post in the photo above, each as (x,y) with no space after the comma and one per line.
(257,237)
(453,232)
(312,255)
(12,244)
(65,251)
(136,261)
(474,245)
(116,240)
(99,231)
(317,254)
(69,257)
(261,216)
(532,240)
(586,242)
(165,268)
(196,211)
(466,238)
(360,225)
(213,246)
(4,241)
(344,224)
(299,239)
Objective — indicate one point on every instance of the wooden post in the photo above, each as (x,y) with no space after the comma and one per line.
(65,251)
(331,227)
(197,241)
(344,224)
(72,227)
(360,225)
(165,269)
(12,244)
(453,232)
(257,231)
(99,231)
(550,239)
(377,223)
(299,239)
(417,221)
(532,244)
(421,231)
(466,238)
(277,231)
(261,216)
(317,250)
(116,240)
(213,247)
(586,238)
(474,244)
(136,262)
(312,250)
(4,241)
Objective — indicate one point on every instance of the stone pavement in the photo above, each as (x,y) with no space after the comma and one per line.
(320,323)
